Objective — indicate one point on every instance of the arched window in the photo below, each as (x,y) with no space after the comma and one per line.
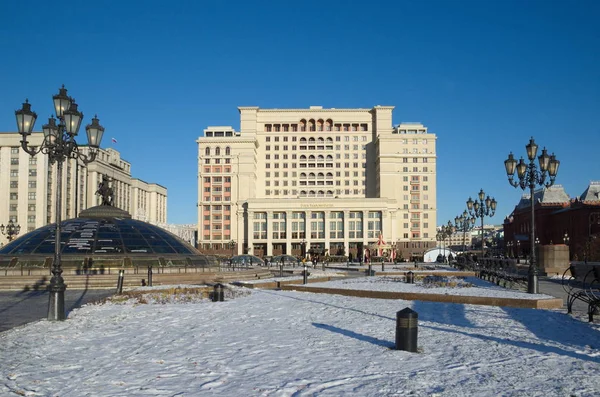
(311,176)
(321,193)
(329,140)
(311,125)
(302,192)
(328,124)
(321,158)
(217,151)
(329,175)
(320,175)
(330,192)
(311,193)
(321,140)
(320,125)
(311,140)
(302,140)
(311,158)
(303,158)
(302,125)
(207,151)
(329,157)
(303,175)
(227,151)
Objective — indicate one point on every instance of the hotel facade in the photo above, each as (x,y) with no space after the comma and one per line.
(333,180)
(28,188)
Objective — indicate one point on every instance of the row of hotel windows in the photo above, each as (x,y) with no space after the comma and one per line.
(322,147)
(217,179)
(15,184)
(318,165)
(319,125)
(15,172)
(320,141)
(15,160)
(337,147)
(15,219)
(30,196)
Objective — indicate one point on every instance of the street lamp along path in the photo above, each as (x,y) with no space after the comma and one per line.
(59,144)
(480,208)
(530,176)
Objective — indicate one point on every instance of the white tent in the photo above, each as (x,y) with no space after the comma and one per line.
(432,254)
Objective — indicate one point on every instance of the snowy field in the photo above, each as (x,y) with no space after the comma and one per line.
(286,343)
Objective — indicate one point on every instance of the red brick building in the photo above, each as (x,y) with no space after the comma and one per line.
(558,220)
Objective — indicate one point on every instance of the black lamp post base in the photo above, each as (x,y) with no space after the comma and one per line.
(532,283)
(56,302)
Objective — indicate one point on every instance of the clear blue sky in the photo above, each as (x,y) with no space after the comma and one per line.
(483,75)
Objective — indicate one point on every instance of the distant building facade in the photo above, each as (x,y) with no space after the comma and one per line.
(28,186)
(327,179)
(558,220)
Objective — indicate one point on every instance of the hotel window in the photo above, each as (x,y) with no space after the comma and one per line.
(374,224)
(355,224)
(279,224)
(32,160)
(336,225)
(14,184)
(31,195)
(14,160)
(298,224)
(317,225)
(268,147)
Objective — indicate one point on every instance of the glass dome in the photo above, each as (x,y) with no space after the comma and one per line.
(100,236)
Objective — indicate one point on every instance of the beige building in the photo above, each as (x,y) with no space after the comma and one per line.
(28,188)
(294,179)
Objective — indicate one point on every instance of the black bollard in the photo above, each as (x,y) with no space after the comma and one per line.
(120,281)
(305,275)
(383,266)
(281,270)
(218,293)
(407,327)
(149,276)
(410,278)
(370,270)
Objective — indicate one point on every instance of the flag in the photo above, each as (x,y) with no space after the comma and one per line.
(114,140)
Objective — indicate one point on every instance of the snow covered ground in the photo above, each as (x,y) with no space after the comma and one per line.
(287,343)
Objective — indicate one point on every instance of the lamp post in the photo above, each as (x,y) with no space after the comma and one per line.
(480,208)
(232,246)
(509,250)
(464,223)
(10,230)
(531,176)
(59,144)
(303,248)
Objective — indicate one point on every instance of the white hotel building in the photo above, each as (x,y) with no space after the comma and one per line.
(332,179)
(28,188)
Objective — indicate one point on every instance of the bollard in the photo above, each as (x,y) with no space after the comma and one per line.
(370,270)
(305,275)
(407,327)
(149,276)
(281,270)
(410,278)
(120,281)
(218,293)
(383,266)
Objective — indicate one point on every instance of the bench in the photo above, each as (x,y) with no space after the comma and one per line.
(588,291)
(505,270)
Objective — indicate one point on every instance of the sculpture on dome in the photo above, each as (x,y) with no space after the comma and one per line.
(105,191)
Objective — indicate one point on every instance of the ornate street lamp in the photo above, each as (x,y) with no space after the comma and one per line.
(59,144)
(303,248)
(232,246)
(480,208)
(509,247)
(529,177)
(10,230)
(464,223)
